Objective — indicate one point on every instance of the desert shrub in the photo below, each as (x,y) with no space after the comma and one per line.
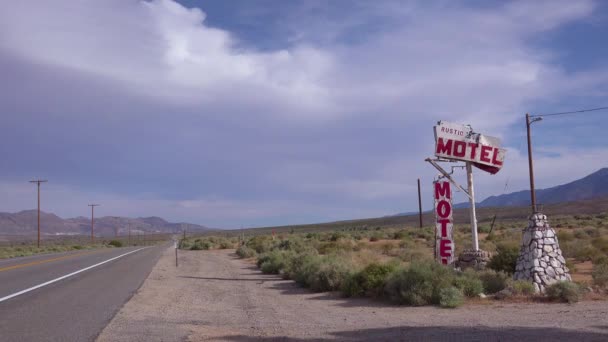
(522,287)
(245,252)
(224,244)
(600,274)
(369,281)
(335,236)
(300,266)
(400,234)
(184,244)
(564,235)
(115,243)
(260,244)
(493,281)
(77,247)
(505,258)
(330,274)
(450,297)
(414,255)
(376,236)
(200,245)
(601,244)
(273,262)
(564,291)
(469,284)
(419,284)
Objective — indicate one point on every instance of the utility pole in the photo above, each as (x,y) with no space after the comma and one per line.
(38,181)
(529,120)
(92,220)
(419,204)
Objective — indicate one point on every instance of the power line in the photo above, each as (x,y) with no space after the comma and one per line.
(571,112)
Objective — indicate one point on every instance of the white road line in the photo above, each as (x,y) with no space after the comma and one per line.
(65,276)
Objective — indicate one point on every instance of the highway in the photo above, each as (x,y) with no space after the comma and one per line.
(69,296)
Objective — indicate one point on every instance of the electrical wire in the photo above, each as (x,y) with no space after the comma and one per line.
(571,112)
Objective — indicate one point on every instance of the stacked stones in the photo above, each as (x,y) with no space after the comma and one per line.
(473,259)
(540,258)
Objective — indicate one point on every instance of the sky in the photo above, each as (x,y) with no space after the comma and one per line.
(255,113)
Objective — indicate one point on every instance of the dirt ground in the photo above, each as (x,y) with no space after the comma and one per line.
(213,296)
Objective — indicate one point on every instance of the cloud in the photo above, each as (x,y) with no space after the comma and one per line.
(147,106)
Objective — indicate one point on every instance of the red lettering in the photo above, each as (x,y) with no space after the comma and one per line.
(442,189)
(485,153)
(473,150)
(444,147)
(444,227)
(495,160)
(444,209)
(460,148)
(445,248)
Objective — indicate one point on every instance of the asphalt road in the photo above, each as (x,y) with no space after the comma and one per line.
(76,308)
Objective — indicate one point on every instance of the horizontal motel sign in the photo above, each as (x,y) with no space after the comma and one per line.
(459,142)
(444,225)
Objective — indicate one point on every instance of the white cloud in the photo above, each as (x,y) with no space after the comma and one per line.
(368,103)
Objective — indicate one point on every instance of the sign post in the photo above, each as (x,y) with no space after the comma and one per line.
(175,246)
(454,142)
(472,212)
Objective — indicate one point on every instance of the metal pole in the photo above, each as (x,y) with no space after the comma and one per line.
(92,221)
(531,166)
(419,204)
(38,214)
(472,206)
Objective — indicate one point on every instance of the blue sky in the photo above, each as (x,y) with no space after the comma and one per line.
(250,113)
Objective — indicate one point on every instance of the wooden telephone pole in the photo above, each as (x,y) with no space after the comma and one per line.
(38,181)
(92,220)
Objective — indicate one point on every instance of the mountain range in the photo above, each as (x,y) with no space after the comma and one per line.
(594,185)
(26,223)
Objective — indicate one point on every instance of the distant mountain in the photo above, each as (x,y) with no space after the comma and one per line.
(26,223)
(594,185)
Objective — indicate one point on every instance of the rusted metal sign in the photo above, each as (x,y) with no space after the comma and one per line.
(444,238)
(459,142)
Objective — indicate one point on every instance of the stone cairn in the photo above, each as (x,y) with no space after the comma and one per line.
(473,259)
(540,258)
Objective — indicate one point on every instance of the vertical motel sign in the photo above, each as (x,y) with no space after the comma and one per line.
(444,239)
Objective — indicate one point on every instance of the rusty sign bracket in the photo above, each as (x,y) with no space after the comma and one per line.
(446,174)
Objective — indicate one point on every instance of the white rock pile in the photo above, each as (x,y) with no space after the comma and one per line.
(540,258)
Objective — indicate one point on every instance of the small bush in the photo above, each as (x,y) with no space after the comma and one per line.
(564,291)
(522,287)
(330,275)
(77,247)
(600,274)
(493,281)
(115,243)
(419,284)
(273,262)
(369,281)
(450,297)
(245,252)
(505,258)
(200,245)
(469,284)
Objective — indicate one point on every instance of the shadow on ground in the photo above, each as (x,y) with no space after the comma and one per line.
(440,333)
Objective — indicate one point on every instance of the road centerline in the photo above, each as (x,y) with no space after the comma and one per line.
(40,262)
(66,276)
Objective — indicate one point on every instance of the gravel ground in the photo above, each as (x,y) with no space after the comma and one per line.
(213,296)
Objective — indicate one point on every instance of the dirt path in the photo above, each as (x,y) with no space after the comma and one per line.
(215,296)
